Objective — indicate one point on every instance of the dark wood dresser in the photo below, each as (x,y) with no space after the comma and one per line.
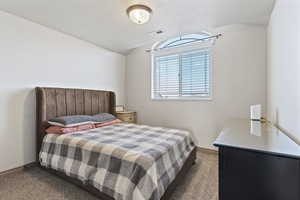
(257,162)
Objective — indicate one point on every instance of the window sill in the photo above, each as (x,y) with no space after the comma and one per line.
(182,99)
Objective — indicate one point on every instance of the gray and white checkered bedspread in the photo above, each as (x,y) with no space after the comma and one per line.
(124,161)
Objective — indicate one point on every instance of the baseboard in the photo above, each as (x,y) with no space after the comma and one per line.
(18,169)
(205,150)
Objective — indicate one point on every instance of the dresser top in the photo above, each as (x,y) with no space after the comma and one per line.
(257,136)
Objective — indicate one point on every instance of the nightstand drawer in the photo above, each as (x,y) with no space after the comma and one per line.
(129,117)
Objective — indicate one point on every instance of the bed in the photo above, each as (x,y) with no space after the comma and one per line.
(122,158)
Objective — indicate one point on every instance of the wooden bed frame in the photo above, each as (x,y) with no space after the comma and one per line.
(53,102)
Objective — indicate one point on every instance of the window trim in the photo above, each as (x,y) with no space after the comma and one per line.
(193,40)
(182,50)
(197,41)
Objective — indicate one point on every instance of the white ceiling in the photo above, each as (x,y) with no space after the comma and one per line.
(105,23)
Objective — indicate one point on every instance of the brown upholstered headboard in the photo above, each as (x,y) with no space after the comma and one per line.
(54,102)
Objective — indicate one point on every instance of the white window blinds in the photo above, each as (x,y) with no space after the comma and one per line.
(182,75)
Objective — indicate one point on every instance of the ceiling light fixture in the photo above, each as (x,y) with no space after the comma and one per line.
(139,14)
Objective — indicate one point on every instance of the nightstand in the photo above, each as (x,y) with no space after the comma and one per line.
(127,116)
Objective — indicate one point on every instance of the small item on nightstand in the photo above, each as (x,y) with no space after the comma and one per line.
(127,116)
(120,108)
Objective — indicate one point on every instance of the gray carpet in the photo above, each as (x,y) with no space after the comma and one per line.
(36,184)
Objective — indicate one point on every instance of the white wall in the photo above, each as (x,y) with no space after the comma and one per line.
(32,55)
(239,78)
(284,67)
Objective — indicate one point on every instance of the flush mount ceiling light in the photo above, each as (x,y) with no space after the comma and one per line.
(139,14)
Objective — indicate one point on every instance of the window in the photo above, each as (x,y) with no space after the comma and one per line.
(181,73)
(183,40)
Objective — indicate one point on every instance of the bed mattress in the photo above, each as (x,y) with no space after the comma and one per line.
(124,161)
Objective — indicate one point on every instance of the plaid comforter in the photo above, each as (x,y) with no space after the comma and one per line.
(124,161)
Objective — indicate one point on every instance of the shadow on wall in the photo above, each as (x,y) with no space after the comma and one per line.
(20,126)
(29,128)
(277,124)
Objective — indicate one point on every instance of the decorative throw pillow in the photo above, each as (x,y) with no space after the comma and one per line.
(103,117)
(98,125)
(70,121)
(63,130)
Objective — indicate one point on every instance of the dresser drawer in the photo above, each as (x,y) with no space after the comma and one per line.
(129,117)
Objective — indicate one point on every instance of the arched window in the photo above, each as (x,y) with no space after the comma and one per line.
(181,68)
(183,40)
